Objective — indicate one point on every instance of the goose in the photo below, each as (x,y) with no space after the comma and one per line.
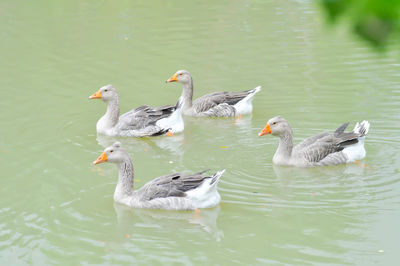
(217,104)
(140,122)
(322,149)
(170,192)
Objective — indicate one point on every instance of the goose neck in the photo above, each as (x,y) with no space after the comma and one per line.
(112,114)
(125,180)
(285,145)
(187,94)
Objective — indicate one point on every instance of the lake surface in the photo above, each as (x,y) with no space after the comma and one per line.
(58,208)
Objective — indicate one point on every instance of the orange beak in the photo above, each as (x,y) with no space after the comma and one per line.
(101,159)
(266,130)
(173,78)
(96,95)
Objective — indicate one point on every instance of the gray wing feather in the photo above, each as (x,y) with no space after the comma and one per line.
(221,110)
(322,148)
(332,159)
(308,141)
(144,116)
(173,185)
(141,122)
(341,129)
(143,132)
(208,101)
(318,150)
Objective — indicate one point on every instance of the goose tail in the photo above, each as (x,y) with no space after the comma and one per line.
(215,178)
(206,195)
(362,128)
(245,106)
(175,121)
(357,151)
(255,90)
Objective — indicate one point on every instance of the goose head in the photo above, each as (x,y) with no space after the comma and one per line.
(106,93)
(181,76)
(113,154)
(276,126)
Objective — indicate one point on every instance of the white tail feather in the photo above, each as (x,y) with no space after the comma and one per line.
(357,151)
(206,195)
(245,106)
(362,128)
(216,177)
(174,122)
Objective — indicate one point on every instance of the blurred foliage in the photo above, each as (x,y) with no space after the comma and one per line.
(373,20)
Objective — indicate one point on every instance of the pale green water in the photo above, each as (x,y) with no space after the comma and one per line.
(57,208)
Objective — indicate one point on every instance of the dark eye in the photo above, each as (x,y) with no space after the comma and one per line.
(274,123)
(111,151)
(105,90)
(180,74)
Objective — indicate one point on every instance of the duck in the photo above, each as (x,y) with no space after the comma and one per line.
(177,191)
(143,121)
(327,148)
(217,104)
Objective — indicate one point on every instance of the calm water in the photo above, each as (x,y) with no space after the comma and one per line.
(58,208)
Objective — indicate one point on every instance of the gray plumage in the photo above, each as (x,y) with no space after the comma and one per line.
(176,191)
(172,185)
(140,122)
(217,104)
(322,149)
